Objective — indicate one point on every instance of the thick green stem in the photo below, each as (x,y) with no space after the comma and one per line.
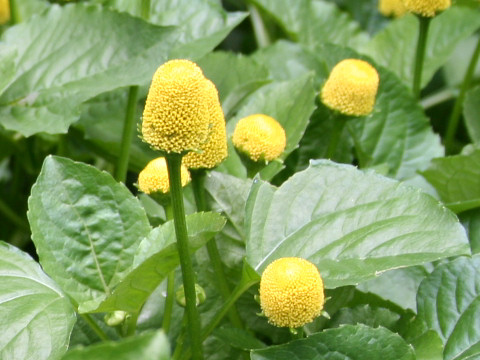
(14,14)
(198,180)
(457,108)
(259,30)
(420,54)
(128,130)
(170,299)
(337,130)
(132,324)
(94,326)
(174,162)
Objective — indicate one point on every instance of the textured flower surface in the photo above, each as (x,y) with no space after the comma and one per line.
(176,117)
(427,8)
(214,151)
(291,292)
(260,137)
(351,87)
(4,11)
(154,177)
(394,8)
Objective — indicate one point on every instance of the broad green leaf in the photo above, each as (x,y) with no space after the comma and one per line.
(348,342)
(291,103)
(367,315)
(146,346)
(28,8)
(314,22)
(457,180)
(454,70)
(84,51)
(471,220)
(471,112)
(429,346)
(449,303)
(394,46)
(238,338)
(352,224)
(86,227)
(37,318)
(155,258)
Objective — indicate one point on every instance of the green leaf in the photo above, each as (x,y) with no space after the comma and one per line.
(471,221)
(85,226)
(449,303)
(394,47)
(367,315)
(155,258)
(352,224)
(429,346)
(314,22)
(37,318)
(238,338)
(457,180)
(77,57)
(348,342)
(146,346)
(291,103)
(471,112)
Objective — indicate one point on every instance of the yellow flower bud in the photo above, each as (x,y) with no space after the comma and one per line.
(4,11)
(394,8)
(154,177)
(260,137)
(427,8)
(291,292)
(176,115)
(214,151)
(351,87)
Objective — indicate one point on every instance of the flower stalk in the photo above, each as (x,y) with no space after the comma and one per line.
(424,23)
(337,130)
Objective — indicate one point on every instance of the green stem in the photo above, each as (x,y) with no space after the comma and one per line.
(299,333)
(259,30)
(174,162)
(94,326)
(132,324)
(180,340)
(14,14)
(128,130)
(13,217)
(457,108)
(337,130)
(198,181)
(146,9)
(170,299)
(424,23)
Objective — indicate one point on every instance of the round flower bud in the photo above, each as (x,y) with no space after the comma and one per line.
(176,117)
(214,150)
(154,177)
(291,292)
(427,8)
(260,137)
(4,11)
(394,8)
(351,87)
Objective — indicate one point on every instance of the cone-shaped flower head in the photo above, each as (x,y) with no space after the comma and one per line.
(260,137)
(176,117)
(394,8)
(427,8)
(351,87)
(154,177)
(4,11)
(291,292)
(214,150)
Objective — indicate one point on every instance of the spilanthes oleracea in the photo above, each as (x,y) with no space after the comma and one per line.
(214,150)
(260,137)
(154,177)
(176,117)
(394,8)
(4,11)
(351,88)
(426,8)
(291,292)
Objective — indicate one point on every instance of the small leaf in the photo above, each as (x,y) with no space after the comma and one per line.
(352,224)
(86,227)
(146,346)
(37,318)
(457,180)
(348,342)
(449,303)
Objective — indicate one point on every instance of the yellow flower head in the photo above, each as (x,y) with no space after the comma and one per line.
(4,11)
(214,151)
(154,177)
(427,8)
(260,136)
(291,292)
(351,87)
(394,8)
(176,115)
